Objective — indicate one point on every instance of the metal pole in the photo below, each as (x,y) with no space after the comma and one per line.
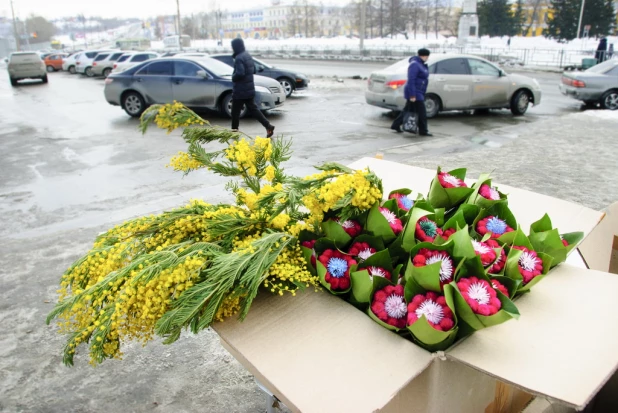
(15,33)
(178,29)
(581,16)
(362,26)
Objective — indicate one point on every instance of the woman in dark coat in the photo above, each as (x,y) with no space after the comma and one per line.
(414,92)
(601,50)
(243,91)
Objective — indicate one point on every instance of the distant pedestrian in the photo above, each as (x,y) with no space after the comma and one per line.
(508,43)
(601,52)
(414,92)
(243,91)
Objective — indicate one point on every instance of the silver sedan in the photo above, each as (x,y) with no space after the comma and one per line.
(456,82)
(599,84)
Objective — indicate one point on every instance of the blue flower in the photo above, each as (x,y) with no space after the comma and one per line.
(337,267)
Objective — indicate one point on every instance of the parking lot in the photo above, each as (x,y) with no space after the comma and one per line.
(73,165)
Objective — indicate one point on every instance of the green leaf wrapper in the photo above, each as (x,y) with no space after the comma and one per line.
(482,202)
(448,198)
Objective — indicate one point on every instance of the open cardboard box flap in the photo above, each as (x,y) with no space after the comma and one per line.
(600,248)
(318,353)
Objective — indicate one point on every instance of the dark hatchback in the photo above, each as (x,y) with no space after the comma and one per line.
(289,79)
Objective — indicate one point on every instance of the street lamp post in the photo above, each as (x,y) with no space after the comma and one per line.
(179,32)
(15,32)
(581,16)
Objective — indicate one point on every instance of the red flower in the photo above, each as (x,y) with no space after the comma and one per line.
(361,250)
(446,234)
(565,242)
(449,181)
(433,307)
(426,230)
(500,262)
(500,287)
(403,201)
(378,272)
(530,265)
(350,226)
(310,244)
(389,306)
(337,267)
(490,193)
(393,221)
(486,252)
(480,295)
(427,257)
(493,225)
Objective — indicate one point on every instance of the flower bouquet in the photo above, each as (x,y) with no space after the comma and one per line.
(431,269)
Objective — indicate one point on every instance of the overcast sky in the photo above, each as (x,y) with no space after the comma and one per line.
(127,8)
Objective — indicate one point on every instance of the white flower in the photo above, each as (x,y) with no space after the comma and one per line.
(431,310)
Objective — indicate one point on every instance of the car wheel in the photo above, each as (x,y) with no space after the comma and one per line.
(13,82)
(44,79)
(89,72)
(106,72)
(287,85)
(520,102)
(610,100)
(432,105)
(226,107)
(50,69)
(72,70)
(133,103)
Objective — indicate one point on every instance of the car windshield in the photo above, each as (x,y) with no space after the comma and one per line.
(24,57)
(603,67)
(267,66)
(216,67)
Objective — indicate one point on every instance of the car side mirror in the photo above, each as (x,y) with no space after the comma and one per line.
(202,74)
(502,73)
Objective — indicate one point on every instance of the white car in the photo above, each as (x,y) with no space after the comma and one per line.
(83,64)
(129,60)
(68,63)
(104,63)
(26,65)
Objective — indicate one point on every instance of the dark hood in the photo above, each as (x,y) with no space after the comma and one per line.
(416,59)
(238,46)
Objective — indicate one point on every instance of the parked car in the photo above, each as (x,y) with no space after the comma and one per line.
(84,63)
(597,85)
(290,80)
(26,65)
(132,59)
(104,63)
(456,82)
(68,63)
(196,82)
(53,62)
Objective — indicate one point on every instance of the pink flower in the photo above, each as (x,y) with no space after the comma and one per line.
(500,287)
(310,245)
(565,242)
(393,221)
(361,250)
(486,252)
(500,261)
(337,267)
(530,265)
(449,181)
(446,234)
(403,201)
(433,306)
(493,225)
(489,192)
(378,272)
(427,257)
(389,306)
(480,296)
(426,230)
(353,228)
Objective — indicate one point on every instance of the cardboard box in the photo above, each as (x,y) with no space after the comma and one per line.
(317,353)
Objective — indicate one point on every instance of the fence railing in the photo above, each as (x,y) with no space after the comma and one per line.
(556,58)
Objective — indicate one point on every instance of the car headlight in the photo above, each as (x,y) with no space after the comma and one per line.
(262,89)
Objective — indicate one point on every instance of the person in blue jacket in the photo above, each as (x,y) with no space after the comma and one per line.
(243,90)
(414,92)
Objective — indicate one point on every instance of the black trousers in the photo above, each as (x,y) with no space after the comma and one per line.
(421,111)
(253,110)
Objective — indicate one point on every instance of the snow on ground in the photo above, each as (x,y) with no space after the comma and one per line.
(600,114)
